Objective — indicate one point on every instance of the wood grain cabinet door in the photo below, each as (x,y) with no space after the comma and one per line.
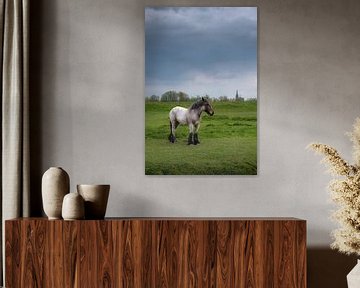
(156,252)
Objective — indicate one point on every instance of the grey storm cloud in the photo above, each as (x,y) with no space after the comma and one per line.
(187,43)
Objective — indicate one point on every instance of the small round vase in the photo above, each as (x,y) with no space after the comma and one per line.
(55,185)
(73,207)
(96,198)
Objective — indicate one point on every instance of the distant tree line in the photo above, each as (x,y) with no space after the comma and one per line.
(174,96)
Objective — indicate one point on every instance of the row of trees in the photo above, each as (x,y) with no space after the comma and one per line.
(173,96)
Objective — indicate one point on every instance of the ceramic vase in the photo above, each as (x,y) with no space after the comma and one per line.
(96,198)
(55,185)
(73,207)
(353,278)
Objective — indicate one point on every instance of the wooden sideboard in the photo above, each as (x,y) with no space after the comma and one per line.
(156,252)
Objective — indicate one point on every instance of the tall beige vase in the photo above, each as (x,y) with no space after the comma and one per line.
(55,185)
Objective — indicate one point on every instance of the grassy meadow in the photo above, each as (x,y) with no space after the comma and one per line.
(228,141)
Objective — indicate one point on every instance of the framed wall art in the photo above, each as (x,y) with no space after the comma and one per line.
(201,91)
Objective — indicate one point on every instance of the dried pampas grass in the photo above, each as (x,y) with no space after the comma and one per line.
(345,192)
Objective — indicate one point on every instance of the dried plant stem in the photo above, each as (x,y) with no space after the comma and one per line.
(337,165)
(355,138)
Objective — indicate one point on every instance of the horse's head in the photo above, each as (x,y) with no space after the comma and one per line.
(207,107)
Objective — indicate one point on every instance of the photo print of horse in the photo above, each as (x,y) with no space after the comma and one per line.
(200,90)
(190,116)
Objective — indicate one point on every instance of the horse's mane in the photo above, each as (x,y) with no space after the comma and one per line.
(197,104)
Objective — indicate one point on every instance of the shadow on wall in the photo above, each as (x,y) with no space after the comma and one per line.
(328,268)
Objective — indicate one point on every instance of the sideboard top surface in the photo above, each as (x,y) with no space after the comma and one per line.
(175,219)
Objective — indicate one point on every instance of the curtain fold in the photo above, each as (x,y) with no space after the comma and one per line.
(15,162)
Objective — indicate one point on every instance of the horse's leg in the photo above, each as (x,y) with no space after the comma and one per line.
(171,135)
(172,131)
(191,138)
(196,139)
(191,134)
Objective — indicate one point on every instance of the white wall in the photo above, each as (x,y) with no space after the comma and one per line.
(91,90)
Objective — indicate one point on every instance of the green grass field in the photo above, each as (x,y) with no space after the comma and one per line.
(228,141)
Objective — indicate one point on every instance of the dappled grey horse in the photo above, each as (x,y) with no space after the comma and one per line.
(190,116)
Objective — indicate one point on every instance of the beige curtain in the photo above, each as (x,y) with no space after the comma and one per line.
(14,24)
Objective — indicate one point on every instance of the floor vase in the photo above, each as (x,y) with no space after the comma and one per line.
(353,278)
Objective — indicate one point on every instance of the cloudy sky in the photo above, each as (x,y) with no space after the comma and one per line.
(201,50)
